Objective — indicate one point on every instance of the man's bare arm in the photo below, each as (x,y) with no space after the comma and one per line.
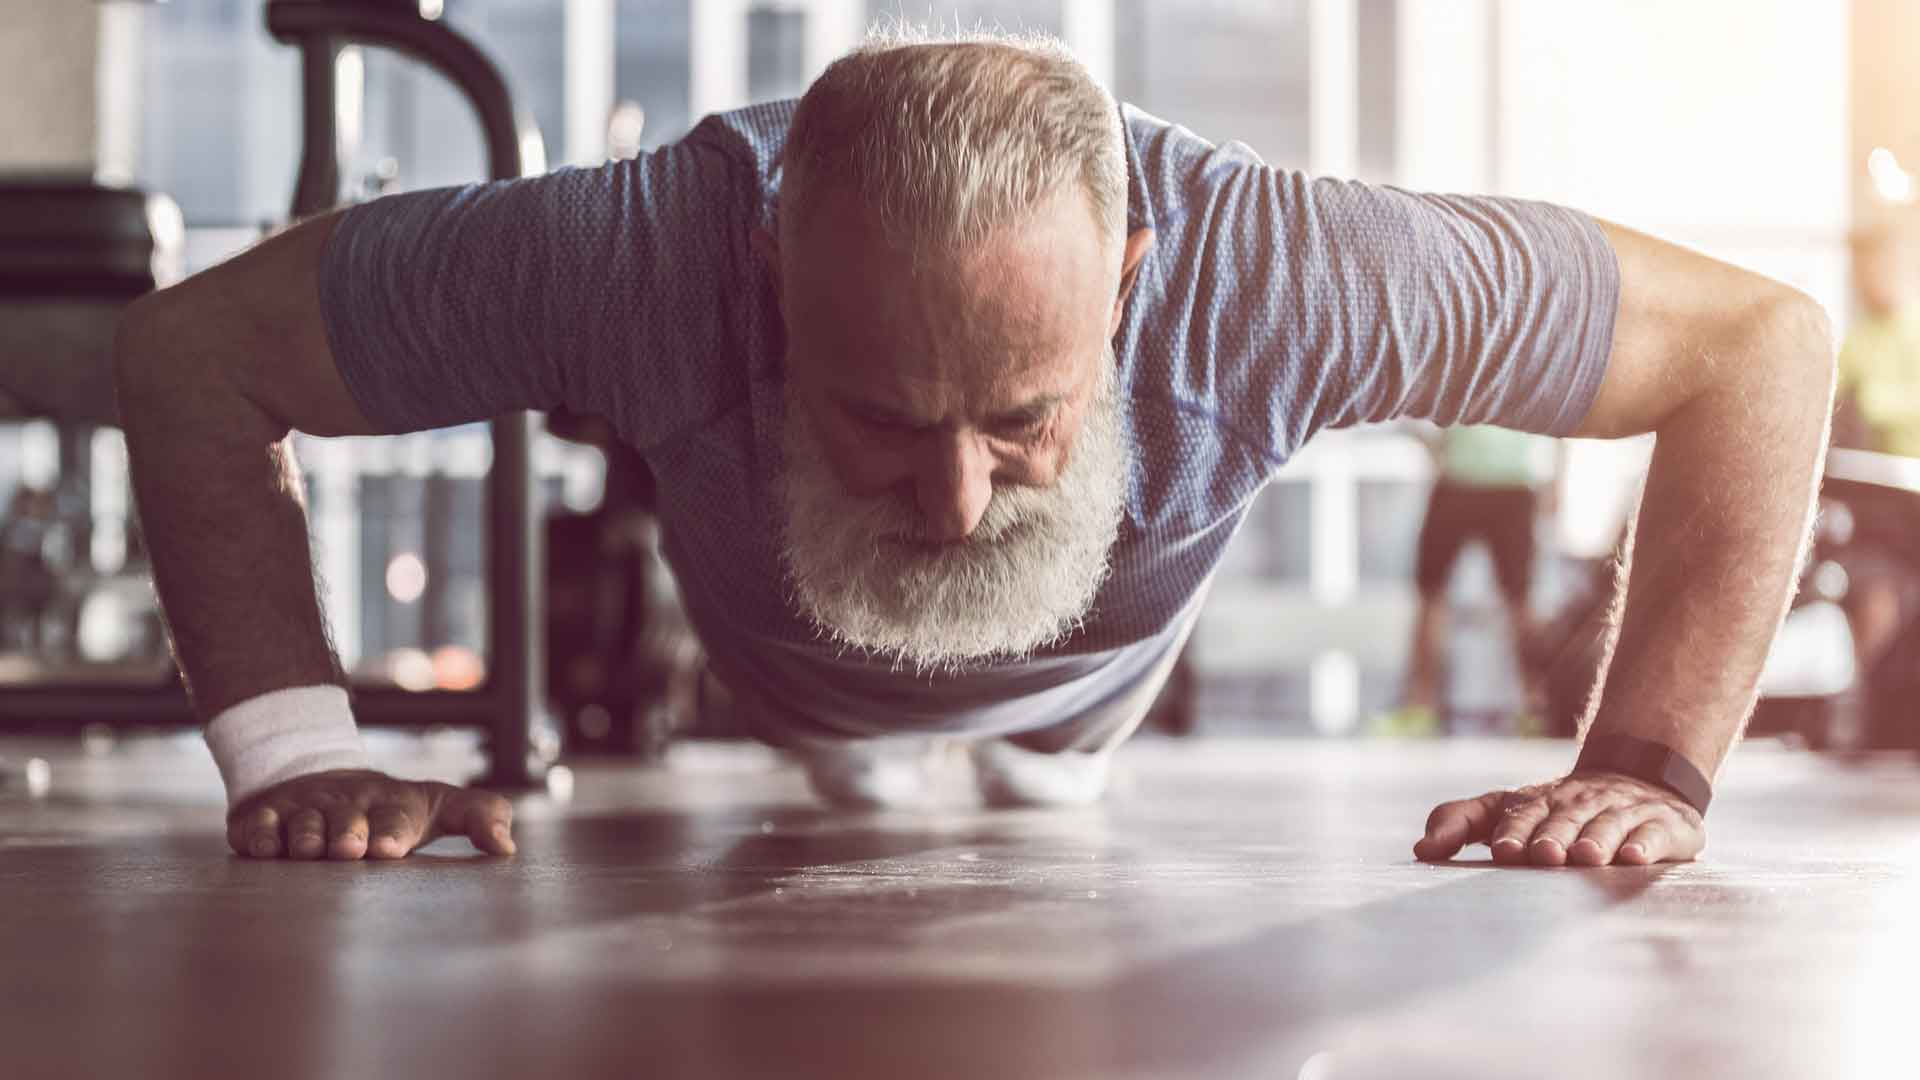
(1734,373)
(213,374)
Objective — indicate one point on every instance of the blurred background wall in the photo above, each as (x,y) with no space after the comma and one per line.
(48,56)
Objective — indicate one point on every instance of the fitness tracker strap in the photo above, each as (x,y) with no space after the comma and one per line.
(1649,761)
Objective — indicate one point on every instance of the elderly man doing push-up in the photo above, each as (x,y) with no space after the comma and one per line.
(957,378)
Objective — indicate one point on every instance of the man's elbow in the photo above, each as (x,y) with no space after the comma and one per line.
(1802,351)
(167,372)
(138,335)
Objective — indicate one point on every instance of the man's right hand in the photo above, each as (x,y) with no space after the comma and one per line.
(356,814)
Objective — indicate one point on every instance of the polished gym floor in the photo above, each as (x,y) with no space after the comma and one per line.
(1239,909)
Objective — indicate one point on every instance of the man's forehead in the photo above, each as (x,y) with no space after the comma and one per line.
(975,336)
(1017,320)
(1040,255)
(910,381)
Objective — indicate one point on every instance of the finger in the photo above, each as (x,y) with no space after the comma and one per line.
(1454,825)
(484,817)
(237,833)
(260,832)
(1553,837)
(1600,840)
(347,833)
(395,831)
(307,834)
(1647,843)
(1660,841)
(1514,827)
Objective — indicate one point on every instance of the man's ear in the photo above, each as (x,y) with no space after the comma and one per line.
(1139,242)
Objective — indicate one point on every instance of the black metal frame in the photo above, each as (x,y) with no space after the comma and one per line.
(512,701)
(513,694)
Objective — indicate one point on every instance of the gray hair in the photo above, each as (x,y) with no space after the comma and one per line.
(946,139)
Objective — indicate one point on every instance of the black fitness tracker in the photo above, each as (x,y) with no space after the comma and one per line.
(1649,761)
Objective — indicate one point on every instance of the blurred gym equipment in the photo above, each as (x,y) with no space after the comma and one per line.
(1870,511)
(1812,688)
(624,666)
(72,255)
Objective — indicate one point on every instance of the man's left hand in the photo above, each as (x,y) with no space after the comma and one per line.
(1592,819)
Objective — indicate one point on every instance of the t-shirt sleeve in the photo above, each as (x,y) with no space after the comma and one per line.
(1305,304)
(589,288)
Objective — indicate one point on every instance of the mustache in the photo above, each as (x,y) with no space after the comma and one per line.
(893,518)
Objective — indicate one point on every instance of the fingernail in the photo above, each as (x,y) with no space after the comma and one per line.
(1509,843)
(1635,850)
(1546,840)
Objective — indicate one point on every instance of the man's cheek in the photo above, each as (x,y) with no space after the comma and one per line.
(866,470)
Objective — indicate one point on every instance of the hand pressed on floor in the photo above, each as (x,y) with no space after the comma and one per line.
(356,814)
(1591,819)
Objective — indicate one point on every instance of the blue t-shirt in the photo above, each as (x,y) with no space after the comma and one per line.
(1270,306)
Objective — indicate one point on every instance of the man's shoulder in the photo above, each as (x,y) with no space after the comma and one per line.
(755,134)
(1170,167)
(1159,141)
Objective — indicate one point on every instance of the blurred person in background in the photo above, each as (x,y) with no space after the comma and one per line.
(1490,488)
(29,578)
(1879,388)
(1878,408)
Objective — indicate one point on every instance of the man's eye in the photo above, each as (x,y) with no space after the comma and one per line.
(884,423)
(1021,427)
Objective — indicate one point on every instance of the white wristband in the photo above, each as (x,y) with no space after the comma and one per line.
(280,735)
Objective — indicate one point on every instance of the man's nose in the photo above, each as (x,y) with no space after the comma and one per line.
(954,485)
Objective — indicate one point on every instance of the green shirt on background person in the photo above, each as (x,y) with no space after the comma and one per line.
(1483,455)
(1880,370)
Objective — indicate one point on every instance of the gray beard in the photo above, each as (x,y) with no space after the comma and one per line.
(1023,580)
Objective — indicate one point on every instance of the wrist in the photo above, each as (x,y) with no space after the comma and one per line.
(1648,761)
(272,738)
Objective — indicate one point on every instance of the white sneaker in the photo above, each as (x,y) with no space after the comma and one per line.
(873,774)
(1010,776)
